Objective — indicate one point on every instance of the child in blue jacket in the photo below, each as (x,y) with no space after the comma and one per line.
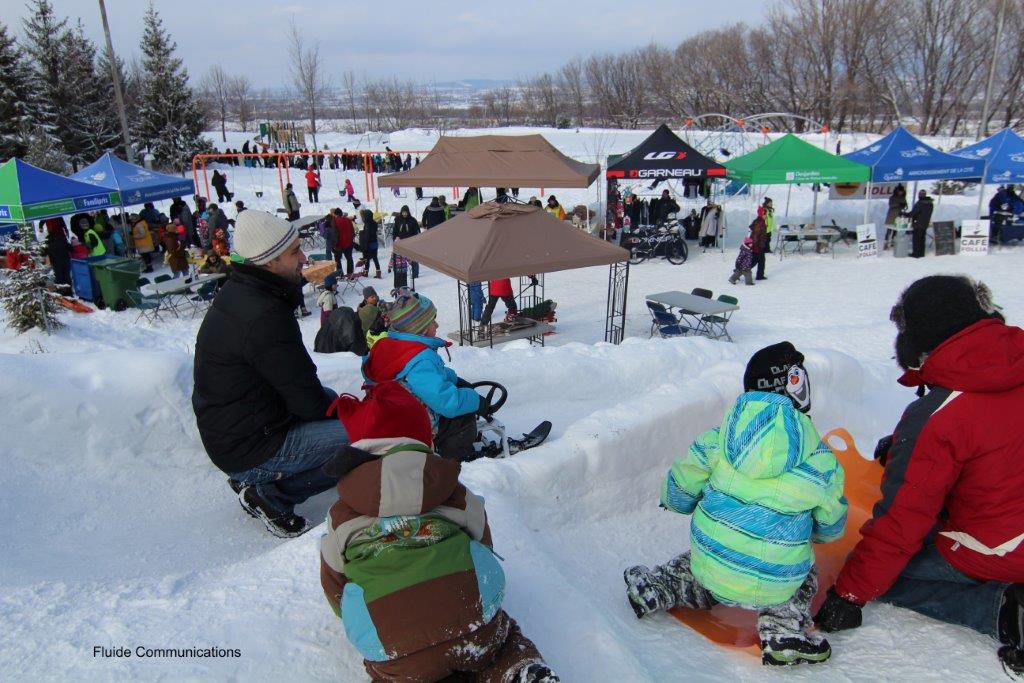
(410,354)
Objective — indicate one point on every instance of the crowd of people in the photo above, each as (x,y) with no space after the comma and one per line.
(306,159)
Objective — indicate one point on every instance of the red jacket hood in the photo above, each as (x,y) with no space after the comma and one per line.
(388,357)
(985,357)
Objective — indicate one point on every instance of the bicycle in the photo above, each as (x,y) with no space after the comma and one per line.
(654,241)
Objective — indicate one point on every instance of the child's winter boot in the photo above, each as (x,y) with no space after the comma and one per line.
(1011,630)
(645,592)
(536,672)
(789,650)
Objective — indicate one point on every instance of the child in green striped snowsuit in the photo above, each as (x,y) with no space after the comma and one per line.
(761,488)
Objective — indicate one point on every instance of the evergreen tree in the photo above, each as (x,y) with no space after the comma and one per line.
(129,89)
(91,120)
(45,151)
(25,293)
(170,121)
(14,119)
(43,38)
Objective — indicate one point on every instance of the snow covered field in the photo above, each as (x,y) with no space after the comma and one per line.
(119,532)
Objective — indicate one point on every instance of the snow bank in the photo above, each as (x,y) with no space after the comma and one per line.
(119,532)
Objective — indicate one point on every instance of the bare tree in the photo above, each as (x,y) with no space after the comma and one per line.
(572,84)
(310,77)
(216,90)
(395,100)
(348,81)
(241,99)
(504,104)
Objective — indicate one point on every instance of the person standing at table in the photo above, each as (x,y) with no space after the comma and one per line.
(897,205)
(920,219)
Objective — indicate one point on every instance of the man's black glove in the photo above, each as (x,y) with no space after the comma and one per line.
(462,384)
(882,449)
(484,409)
(837,613)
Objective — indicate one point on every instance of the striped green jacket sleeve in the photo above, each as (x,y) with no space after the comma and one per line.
(830,514)
(685,482)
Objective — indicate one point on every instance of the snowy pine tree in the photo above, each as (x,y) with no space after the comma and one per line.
(45,152)
(25,293)
(91,117)
(170,121)
(43,38)
(129,89)
(14,119)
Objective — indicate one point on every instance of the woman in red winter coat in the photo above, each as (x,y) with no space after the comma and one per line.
(499,289)
(759,236)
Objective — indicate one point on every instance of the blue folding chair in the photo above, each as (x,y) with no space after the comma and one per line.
(666,324)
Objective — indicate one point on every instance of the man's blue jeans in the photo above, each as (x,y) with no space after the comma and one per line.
(929,585)
(476,300)
(293,474)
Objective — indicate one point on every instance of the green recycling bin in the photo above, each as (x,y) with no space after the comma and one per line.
(116,276)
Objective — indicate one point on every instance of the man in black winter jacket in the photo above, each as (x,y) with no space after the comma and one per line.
(260,408)
(920,219)
(433,215)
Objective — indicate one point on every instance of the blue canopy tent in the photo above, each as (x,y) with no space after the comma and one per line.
(137,185)
(28,193)
(901,157)
(1003,156)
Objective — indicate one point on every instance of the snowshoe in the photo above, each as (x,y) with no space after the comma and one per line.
(1012,660)
(531,439)
(644,592)
(281,525)
(536,672)
(791,650)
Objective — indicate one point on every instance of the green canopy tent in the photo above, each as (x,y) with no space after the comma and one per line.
(28,193)
(789,161)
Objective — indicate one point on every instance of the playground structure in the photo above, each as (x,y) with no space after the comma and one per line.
(283,165)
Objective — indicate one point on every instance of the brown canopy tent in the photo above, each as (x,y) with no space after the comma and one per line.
(494,241)
(495,161)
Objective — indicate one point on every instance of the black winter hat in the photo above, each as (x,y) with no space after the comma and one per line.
(933,309)
(767,369)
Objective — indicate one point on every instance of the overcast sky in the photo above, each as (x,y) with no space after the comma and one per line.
(433,40)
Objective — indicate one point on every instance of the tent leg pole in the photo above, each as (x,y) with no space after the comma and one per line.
(789,191)
(981,196)
(867,201)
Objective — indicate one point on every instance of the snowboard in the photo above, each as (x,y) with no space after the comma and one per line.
(735,627)
(531,439)
(503,328)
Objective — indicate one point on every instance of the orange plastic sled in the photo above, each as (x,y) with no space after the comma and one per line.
(76,306)
(735,627)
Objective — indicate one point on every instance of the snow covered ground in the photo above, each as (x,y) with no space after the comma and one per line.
(119,532)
